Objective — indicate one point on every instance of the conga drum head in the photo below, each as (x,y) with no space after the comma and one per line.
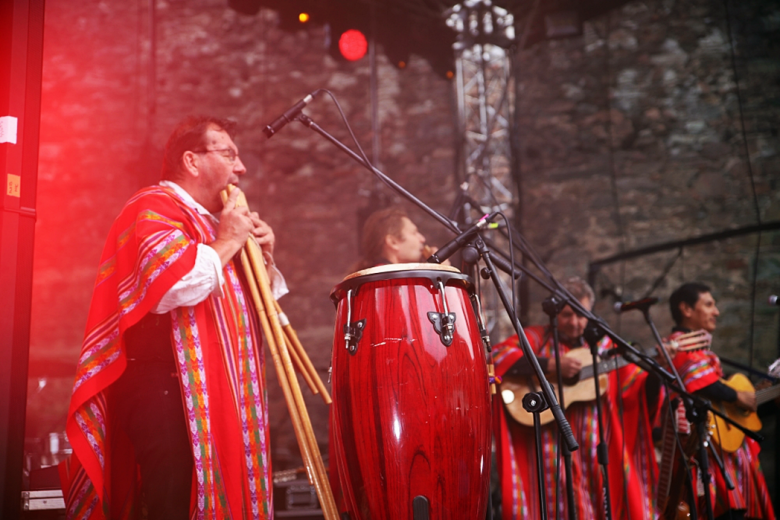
(411,400)
(394,268)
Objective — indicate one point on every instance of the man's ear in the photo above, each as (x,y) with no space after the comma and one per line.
(189,163)
(685,309)
(391,241)
(391,245)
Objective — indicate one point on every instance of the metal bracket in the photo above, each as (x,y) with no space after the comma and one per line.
(443,322)
(352,334)
(443,325)
(353,331)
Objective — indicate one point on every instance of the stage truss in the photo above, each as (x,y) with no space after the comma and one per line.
(485,102)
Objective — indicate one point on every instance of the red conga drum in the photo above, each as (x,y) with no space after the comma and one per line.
(411,399)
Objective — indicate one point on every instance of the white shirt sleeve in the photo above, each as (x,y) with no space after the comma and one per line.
(278,283)
(203,280)
(206,279)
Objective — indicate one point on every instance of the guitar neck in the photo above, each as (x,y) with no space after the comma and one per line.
(604,367)
(767,394)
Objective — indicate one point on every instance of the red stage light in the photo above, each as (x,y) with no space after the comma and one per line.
(353,44)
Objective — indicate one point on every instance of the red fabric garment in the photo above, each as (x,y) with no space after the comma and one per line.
(699,369)
(630,491)
(152,244)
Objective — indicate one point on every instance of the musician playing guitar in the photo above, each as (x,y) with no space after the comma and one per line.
(693,308)
(628,475)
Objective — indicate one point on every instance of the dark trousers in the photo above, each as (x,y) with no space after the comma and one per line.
(149,404)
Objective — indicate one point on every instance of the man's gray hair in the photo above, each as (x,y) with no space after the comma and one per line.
(580,289)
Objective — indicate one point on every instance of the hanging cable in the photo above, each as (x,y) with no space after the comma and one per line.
(610,159)
(663,275)
(752,181)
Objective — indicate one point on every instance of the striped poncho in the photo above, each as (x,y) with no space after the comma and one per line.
(631,467)
(699,369)
(152,244)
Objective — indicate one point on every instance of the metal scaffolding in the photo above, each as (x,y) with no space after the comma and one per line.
(484,96)
(485,89)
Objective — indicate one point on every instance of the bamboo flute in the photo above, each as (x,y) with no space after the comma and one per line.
(281,373)
(300,367)
(321,481)
(298,348)
(269,317)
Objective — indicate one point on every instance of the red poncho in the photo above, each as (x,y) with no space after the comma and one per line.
(152,244)
(699,369)
(631,466)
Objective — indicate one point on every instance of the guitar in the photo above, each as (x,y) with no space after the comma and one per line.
(513,389)
(729,437)
(582,389)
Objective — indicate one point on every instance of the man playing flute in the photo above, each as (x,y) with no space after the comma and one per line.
(168,411)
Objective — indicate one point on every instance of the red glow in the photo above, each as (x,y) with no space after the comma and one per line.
(353,44)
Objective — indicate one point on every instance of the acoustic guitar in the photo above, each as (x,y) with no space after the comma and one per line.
(730,437)
(581,389)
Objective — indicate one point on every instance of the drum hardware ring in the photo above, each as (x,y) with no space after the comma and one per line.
(352,330)
(443,322)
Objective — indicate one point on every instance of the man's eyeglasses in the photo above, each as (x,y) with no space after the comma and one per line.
(228,153)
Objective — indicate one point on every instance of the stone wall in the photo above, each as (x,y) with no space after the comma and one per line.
(97,150)
(631,136)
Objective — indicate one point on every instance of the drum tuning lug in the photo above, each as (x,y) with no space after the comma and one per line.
(444,325)
(443,322)
(352,334)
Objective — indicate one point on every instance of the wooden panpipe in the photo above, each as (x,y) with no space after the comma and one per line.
(288,355)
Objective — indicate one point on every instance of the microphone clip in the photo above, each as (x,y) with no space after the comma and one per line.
(449,249)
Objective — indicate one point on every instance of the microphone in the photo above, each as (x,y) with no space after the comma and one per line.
(642,305)
(288,116)
(448,249)
(773,300)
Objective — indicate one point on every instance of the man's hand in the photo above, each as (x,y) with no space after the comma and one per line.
(570,367)
(264,235)
(670,347)
(747,400)
(235,225)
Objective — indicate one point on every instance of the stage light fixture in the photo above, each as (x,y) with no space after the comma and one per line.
(353,44)
(303,17)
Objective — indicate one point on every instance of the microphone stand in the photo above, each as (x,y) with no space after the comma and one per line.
(697,415)
(697,412)
(533,402)
(593,335)
(547,392)
(693,508)
(490,271)
(482,246)
(555,287)
(552,306)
